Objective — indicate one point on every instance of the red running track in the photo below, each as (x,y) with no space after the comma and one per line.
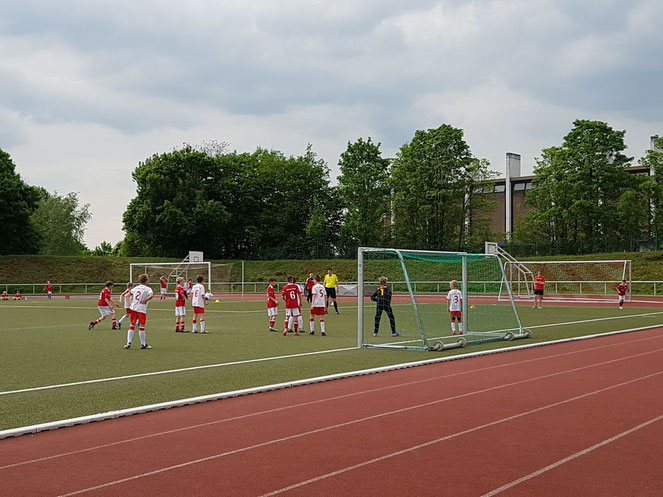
(582,418)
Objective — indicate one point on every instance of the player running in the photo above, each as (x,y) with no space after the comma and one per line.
(291,293)
(272,304)
(106,306)
(539,284)
(318,301)
(382,297)
(49,289)
(180,306)
(622,288)
(125,299)
(455,307)
(198,303)
(140,295)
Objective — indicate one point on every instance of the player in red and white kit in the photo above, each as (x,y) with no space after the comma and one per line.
(163,282)
(140,295)
(49,290)
(125,300)
(292,294)
(180,306)
(106,306)
(539,284)
(198,302)
(622,288)
(272,304)
(455,307)
(318,302)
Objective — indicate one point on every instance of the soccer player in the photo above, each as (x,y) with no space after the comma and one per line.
(198,303)
(180,306)
(163,282)
(455,307)
(4,295)
(318,302)
(17,295)
(331,280)
(125,299)
(106,306)
(622,288)
(49,289)
(140,295)
(539,284)
(291,293)
(188,288)
(382,297)
(308,287)
(272,304)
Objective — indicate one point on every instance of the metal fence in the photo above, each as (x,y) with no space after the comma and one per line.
(552,287)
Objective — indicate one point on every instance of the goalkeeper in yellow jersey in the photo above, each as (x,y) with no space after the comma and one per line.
(382,297)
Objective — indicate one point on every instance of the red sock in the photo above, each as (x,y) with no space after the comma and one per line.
(272,322)
(285,324)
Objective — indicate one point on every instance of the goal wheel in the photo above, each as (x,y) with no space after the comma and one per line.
(508,336)
(438,345)
(528,333)
(462,342)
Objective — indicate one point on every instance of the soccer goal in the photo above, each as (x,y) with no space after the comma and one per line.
(216,275)
(569,281)
(419,281)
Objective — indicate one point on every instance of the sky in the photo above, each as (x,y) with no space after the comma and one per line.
(88,89)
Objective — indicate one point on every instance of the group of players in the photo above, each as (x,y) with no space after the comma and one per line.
(135,299)
(540,283)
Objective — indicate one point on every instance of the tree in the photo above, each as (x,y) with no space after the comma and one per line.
(429,180)
(60,222)
(578,187)
(18,201)
(104,249)
(365,193)
(653,185)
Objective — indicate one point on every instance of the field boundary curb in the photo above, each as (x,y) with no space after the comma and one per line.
(54,425)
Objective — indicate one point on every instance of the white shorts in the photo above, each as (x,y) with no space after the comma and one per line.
(622,298)
(272,311)
(164,291)
(293,312)
(105,310)
(180,310)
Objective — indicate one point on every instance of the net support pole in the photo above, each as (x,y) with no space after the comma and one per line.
(464,288)
(209,276)
(360,297)
(242,280)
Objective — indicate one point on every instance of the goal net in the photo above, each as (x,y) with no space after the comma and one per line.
(578,281)
(216,275)
(419,282)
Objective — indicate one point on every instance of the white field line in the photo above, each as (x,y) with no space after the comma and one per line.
(320,401)
(278,386)
(121,311)
(372,417)
(572,457)
(442,439)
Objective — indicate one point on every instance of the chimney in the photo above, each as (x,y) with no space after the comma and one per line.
(512,171)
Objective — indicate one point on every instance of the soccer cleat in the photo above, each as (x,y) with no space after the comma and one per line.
(206,331)
(119,326)
(375,335)
(271,328)
(337,312)
(296,333)
(146,346)
(91,325)
(127,346)
(115,327)
(395,334)
(312,332)
(285,333)
(323,333)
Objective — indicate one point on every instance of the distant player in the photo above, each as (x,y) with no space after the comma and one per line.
(291,293)
(17,295)
(331,280)
(163,282)
(622,288)
(382,297)
(455,307)
(180,306)
(539,284)
(318,302)
(198,302)
(188,288)
(308,287)
(272,304)
(49,290)
(106,306)
(4,295)
(140,295)
(125,300)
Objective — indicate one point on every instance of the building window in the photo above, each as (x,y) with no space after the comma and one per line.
(519,187)
(500,188)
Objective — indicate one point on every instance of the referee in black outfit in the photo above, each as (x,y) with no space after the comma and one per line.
(382,296)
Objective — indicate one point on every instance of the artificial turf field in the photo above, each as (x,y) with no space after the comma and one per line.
(47,343)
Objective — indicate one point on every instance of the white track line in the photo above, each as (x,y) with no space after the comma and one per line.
(368,418)
(449,437)
(572,457)
(169,371)
(313,402)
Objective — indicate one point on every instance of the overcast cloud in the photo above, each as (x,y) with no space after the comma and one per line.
(90,88)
